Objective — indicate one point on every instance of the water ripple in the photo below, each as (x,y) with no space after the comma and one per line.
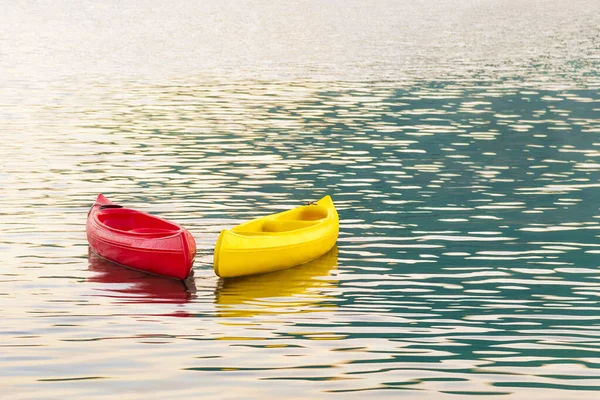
(458,142)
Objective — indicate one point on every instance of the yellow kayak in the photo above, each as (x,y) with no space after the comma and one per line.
(277,241)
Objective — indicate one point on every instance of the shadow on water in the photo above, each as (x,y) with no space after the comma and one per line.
(294,290)
(133,286)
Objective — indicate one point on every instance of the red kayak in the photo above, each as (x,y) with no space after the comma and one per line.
(138,240)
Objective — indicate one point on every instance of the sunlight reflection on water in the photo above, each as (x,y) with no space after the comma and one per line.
(453,262)
(467,257)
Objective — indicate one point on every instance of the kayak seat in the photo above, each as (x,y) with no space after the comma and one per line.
(312,213)
(254,233)
(131,221)
(285,225)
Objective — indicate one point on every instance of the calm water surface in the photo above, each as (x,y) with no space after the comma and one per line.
(461,144)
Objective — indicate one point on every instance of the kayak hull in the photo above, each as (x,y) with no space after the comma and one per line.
(140,241)
(277,241)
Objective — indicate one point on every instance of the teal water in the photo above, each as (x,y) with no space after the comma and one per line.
(460,142)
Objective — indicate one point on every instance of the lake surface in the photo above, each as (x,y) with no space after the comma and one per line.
(459,140)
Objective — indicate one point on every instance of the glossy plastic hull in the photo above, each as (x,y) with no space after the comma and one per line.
(277,241)
(139,240)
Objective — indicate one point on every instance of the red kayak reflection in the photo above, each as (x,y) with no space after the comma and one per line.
(133,286)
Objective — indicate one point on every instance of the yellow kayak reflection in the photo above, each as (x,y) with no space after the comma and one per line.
(295,290)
